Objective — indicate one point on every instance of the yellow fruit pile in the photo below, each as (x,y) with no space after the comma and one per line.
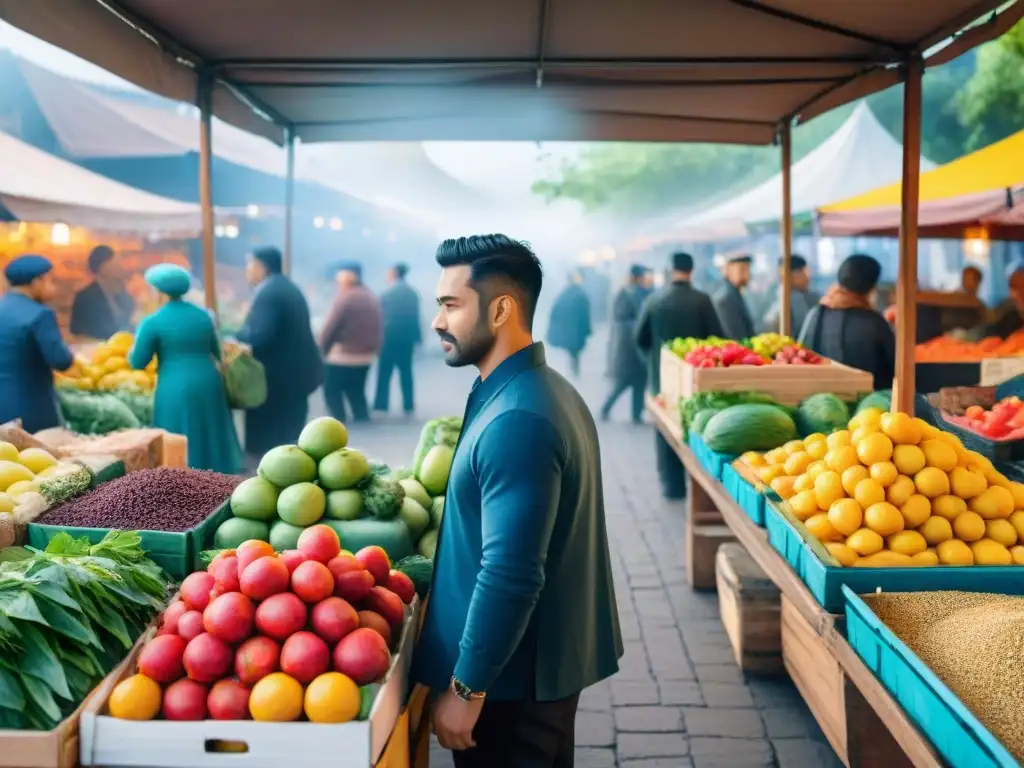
(893,490)
(106,369)
(21,472)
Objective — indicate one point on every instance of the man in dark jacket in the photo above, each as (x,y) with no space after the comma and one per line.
(103,307)
(400,306)
(677,310)
(801,298)
(627,368)
(278,330)
(570,324)
(732,308)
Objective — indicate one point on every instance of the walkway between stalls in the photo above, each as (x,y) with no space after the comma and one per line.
(679,700)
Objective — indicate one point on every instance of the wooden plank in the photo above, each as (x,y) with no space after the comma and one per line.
(702,543)
(750,605)
(788,384)
(786,230)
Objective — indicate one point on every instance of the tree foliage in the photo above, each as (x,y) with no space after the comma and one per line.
(992,103)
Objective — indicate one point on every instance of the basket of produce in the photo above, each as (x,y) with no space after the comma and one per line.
(263,652)
(950,660)
(997,433)
(742,484)
(99,413)
(892,502)
(104,367)
(174,510)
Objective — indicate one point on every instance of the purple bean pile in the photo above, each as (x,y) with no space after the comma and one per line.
(162,499)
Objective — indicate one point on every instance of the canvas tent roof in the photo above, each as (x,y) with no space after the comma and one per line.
(705,70)
(858,156)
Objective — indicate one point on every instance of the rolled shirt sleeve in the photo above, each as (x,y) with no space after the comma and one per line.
(519,462)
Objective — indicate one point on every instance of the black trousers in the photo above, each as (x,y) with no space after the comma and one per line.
(523,734)
(574,362)
(276,422)
(637,385)
(390,359)
(346,383)
(670,469)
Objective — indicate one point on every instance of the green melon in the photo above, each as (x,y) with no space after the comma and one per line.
(748,427)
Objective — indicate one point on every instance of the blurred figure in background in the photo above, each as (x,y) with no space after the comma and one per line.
(627,368)
(1009,315)
(31,347)
(278,331)
(400,306)
(676,311)
(350,341)
(729,303)
(846,327)
(570,324)
(103,307)
(801,299)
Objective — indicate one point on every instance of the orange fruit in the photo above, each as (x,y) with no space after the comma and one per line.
(865,542)
(797,463)
(332,698)
(883,518)
(841,458)
(828,488)
(909,459)
(874,448)
(821,528)
(932,482)
(868,492)
(969,526)
(949,507)
(916,511)
(843,553)
(900,491)
(852,476)
(907,543)
(838,439)
(817,449)
(936,530)
(135,698)
(277,698)
(939,454)
(954,552)
(900,428)
(783,486)
(1001,531)
(846,516)
(885,473)
(928,557)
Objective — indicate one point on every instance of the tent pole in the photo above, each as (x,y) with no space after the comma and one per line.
(786,230)
(289,200)
(204,100)
(906,278)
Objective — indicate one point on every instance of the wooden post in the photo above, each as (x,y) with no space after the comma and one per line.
(204,100)
(289,200)
(786,229)
(906,278)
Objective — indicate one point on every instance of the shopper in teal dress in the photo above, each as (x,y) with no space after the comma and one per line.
(190,397)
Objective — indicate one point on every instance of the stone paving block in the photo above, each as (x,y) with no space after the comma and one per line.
(680,692)
(587,757)
(732,753)
(633,746)
(597,698)
(723,721)
(804,753)
(629,693)
(595,729)
(648,719)
(789,723)
(777,692)
(719,673)
(656,762)
(726,694)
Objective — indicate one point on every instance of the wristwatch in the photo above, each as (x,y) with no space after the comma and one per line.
(463,691)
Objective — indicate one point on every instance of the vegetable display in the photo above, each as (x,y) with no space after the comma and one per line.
(691,406)
(748,427)
(764,349)
(949,349)
(23,474)
(106,369)
(1003,421)
(92,413)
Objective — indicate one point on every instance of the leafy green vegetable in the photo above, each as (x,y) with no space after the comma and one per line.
(691,406)
(59,489)
(96,413)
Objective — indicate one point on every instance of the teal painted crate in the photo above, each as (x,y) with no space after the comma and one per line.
(826,582)
(176,553)
(750,499)
(957,734)
(713,461)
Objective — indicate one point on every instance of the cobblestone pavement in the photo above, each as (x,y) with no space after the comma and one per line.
(679,700)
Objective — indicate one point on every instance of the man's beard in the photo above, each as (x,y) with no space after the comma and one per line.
(470,351)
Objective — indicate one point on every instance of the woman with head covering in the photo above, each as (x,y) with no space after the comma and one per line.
(31,347)
(846,327)
(190,396)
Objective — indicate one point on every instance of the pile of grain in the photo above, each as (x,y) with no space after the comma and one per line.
(974,643)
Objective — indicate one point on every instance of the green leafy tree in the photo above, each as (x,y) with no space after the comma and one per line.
(992,103)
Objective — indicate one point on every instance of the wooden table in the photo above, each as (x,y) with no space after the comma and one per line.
(865,726)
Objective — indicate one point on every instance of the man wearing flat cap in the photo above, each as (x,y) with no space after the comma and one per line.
(103,307)
(31,347)
(400,306)
(801,299)
(627,367)
(278,331)
(678,310)
(729,301)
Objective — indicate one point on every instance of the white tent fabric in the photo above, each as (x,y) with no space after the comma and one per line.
(36,186)
(858,157)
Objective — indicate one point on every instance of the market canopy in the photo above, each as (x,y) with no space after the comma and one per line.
(38,187)
(708,70)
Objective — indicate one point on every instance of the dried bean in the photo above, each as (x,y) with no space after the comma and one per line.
(162,499)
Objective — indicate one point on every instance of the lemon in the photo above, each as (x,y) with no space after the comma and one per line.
(988,552)
(843,553)
(838,439)
(995,502)
(135,698)
(978,463)
(804,482)
(883,518)
(907,543)
(846,516)
(967,484)
(852,476)
(969,526)
(1017,490)
(874,448)
(775,456)
(753,459)
(7,451)
(36,460)
(927,430)
(939,454)
(815,468)
(783,486)
(867,416)
(865,542)
(332,698)
(995,477)
(276,698)
(1017,553)
(862,432)
(817,449)
(900,491)
(1017,521)
(954,552)
(767,474)
(6,503)
(936,530)
(885,473)
(842,458)
(909,459)
(916,511)
(821,528)
(828,487)
(932,482)
(868,492)
(1001,531)
(885,559)
(814,437)
(803,505)
(11,473)
(797,463)
(14,490)
(901,428)
(793,446)
(949,507)
(926,558)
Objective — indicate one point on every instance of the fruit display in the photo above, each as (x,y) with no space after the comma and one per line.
(105,368)
(747,427)
(794,354)
(68,615)
(33,476)
(1003,421)
(893,490)
(306,634)
(725,356)
(759,350)
(680,347)
(770,344)
(949,349)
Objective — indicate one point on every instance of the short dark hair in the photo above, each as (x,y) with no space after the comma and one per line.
(976,270)
(682,262)
(497,264)
(99,256)
(401,269)
(270,257)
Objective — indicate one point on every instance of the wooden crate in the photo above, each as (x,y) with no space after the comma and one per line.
(671,377)
(996,370)
(788,384)
(751,611)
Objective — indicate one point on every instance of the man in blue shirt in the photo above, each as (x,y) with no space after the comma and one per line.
(522,616)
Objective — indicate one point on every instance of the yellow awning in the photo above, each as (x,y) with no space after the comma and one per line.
(997,166)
